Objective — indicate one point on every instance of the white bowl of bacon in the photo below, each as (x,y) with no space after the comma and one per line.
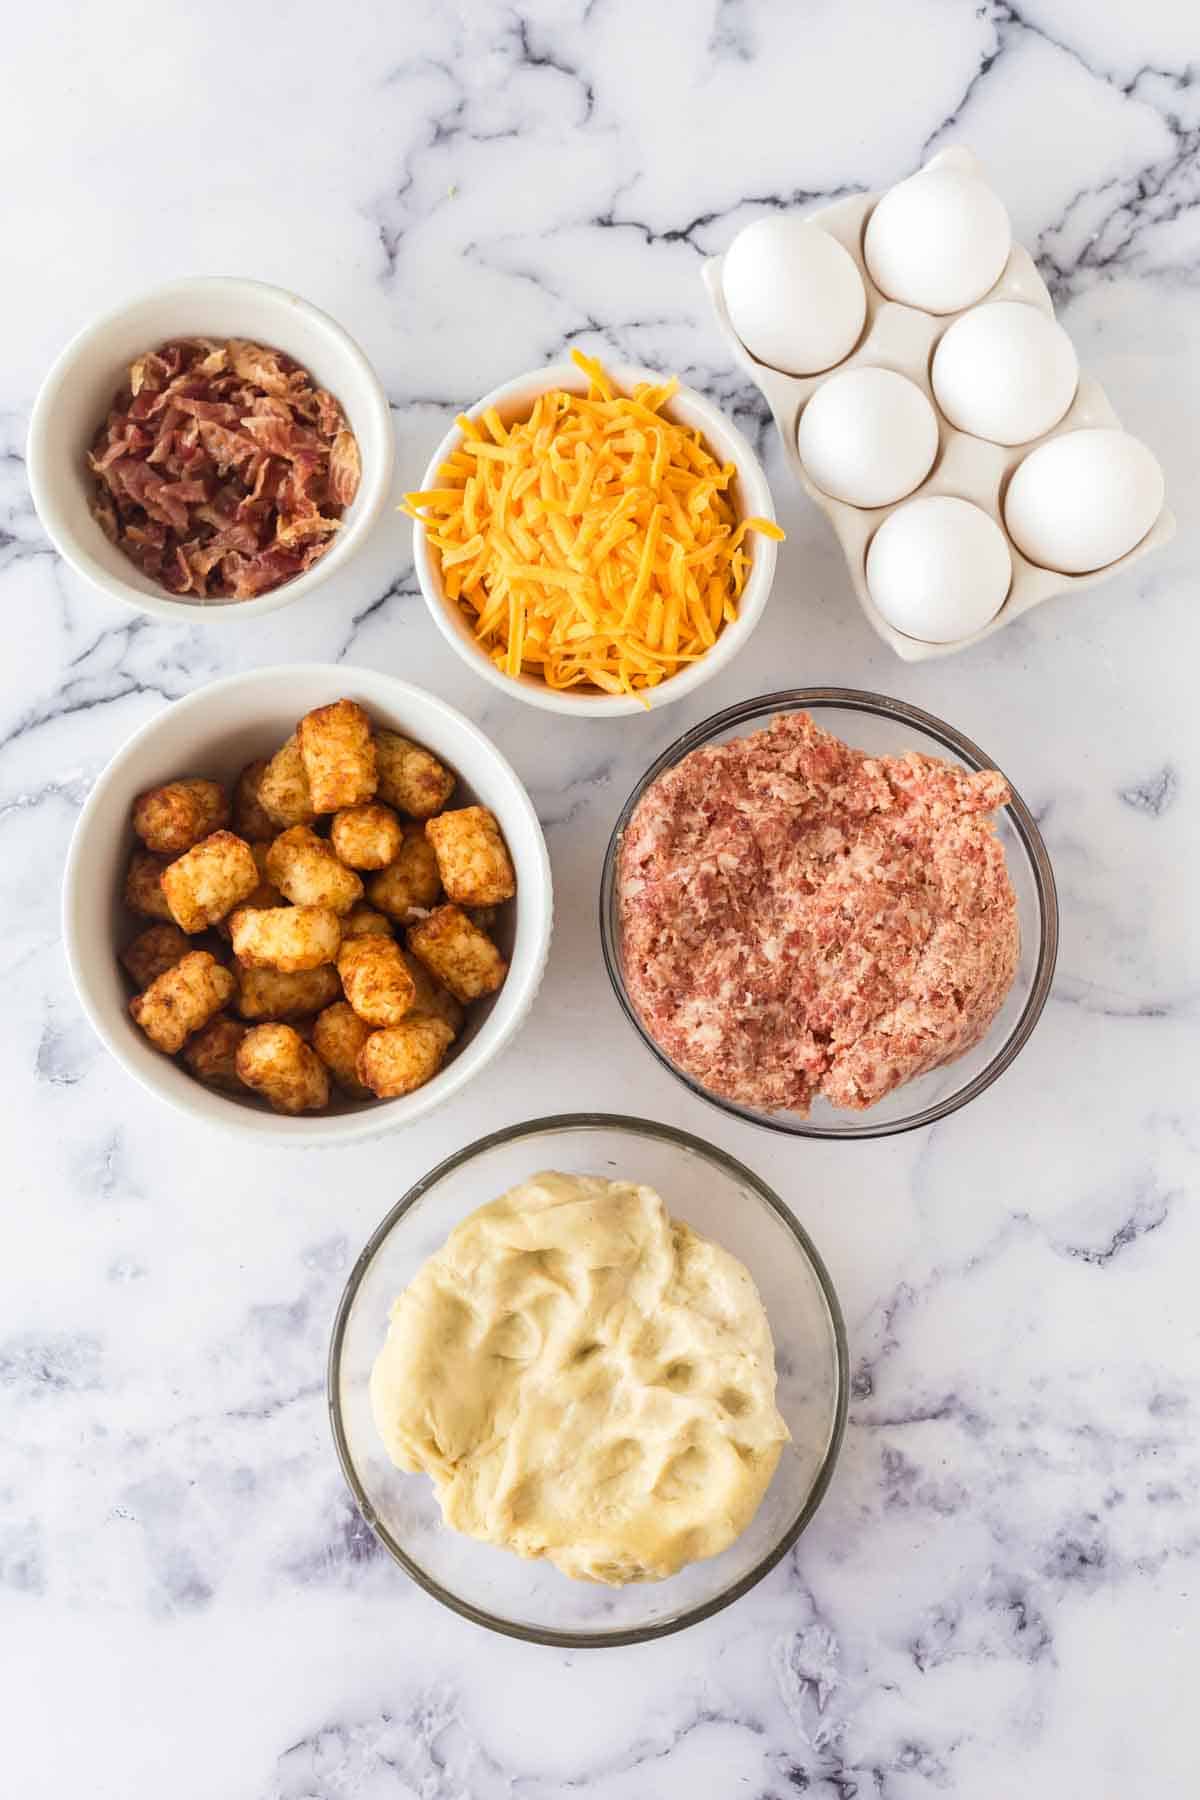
(216,447)
(214,734)
(580,500)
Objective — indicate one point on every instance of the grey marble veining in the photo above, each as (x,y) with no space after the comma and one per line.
(999,1593)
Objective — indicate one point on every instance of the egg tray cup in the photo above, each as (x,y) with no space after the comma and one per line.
(903,338)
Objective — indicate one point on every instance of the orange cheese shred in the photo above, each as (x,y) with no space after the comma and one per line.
(593,544)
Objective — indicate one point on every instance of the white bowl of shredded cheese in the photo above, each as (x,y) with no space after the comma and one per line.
(580,515)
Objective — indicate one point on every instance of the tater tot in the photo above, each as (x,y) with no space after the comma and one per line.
(170,819)
(209,881)
(211,1054)
(366,837)
(269,994)
(472,857)
(212,941)
(338,1036)
(275,1061)
(265,895)
(251,819)
(457,954)
(339,755)
(283,790)
(410,777)
(285,937)
(182,1000)
(411,884)
(304,868)
(431,997)
(363,921)
(143,886)
(153,952)
(375,979)
(405,1057)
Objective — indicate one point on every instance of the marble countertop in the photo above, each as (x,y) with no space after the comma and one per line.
(998,1594)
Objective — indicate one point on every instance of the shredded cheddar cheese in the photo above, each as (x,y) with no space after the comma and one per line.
(593,544)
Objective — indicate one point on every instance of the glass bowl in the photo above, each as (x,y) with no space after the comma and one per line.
(722,1200)
(885,727)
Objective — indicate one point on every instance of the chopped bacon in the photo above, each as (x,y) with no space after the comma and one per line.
(193,564)
(309,478)
(188,490)
(269,370)
(215,362)
(345,468)
(329,414)
(265,480)
(130,445)
(257,574)
(105,514)
(310,525)
(167,443)
(217,412)
(314,552)
(149,371)
(221,470)
(268,406)
(279,437)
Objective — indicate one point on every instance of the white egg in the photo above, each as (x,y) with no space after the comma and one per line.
(1083,500)
(793,294)
(868,436)
(938,240)
(938,569)
(1006,371)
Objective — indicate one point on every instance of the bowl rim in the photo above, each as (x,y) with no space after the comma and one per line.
(880,706)
(570,702)
(213,1108)
(376,483)
(641,1634)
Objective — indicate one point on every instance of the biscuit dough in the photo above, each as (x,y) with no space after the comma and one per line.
(585,1379)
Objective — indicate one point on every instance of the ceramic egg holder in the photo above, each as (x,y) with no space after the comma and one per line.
(903,338)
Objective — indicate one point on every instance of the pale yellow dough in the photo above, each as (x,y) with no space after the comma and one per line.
(585,1379)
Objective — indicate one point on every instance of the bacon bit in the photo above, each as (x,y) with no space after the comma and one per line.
(279,437)
(258,574)
(329,413)
(265,369)
(105,514)
(220,470)
(303,527)
(345,468)
(149,371)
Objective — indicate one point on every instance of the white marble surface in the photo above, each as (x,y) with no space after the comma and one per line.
(998,1595)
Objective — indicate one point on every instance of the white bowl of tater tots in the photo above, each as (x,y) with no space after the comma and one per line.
(309,902)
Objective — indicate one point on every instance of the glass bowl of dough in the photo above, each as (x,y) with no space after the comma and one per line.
(588,1380)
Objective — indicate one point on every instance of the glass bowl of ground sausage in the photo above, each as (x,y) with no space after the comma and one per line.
(829,913)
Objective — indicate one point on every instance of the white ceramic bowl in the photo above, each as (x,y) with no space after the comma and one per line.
(751,496)
(216,732)
(77,393)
